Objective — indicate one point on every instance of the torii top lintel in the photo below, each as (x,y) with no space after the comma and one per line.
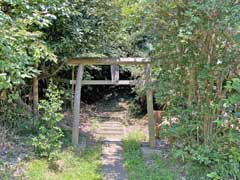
(109,61)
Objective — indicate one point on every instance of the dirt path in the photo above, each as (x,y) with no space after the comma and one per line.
(111,131)
(112,160)
(108,121)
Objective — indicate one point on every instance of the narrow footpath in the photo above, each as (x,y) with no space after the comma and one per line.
(112,157)
(110,131)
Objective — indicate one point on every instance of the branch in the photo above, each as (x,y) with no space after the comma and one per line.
(55,72)
(236,73)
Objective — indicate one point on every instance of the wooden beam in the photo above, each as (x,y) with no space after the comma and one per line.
(109,82)
(76,110)
(108,61)
(149,94)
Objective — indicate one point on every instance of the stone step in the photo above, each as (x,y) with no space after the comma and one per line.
(110,133)
(110,124)
(118,116)
(109,129)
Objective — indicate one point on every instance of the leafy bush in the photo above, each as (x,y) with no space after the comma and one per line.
(48,142)
(135,109)
(16,115)
(219,159)
(133,141)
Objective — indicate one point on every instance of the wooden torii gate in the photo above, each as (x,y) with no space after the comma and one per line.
(114,62)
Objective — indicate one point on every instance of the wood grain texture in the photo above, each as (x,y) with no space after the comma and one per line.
(151,123)
(76,109)
(109,61)
(109,82)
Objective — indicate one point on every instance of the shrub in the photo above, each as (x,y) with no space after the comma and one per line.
(3,135)
(135,109)
(16,115)
(48,141)
(219,159)
(133,141)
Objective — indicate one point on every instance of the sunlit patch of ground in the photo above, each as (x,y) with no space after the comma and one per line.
(70,165)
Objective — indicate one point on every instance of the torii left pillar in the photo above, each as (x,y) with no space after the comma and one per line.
(76,109)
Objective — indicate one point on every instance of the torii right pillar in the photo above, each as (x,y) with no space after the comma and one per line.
(149,94)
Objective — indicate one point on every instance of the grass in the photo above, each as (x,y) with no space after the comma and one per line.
(71,165)
(159,169)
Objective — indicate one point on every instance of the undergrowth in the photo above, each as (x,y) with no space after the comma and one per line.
(83,165)
(138,169)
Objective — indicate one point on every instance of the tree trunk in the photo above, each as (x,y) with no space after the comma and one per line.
(192,86)
(76,110)
(35,95)
(3,94)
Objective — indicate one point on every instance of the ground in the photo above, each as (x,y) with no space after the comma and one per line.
(104,126)
(109,124)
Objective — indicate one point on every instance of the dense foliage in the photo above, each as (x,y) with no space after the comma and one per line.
(37,38)
(48,143)
(197,44)
(22,44)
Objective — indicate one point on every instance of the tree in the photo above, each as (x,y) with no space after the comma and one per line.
(197,49)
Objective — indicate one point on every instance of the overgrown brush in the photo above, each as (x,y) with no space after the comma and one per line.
(220,158)
(3,135)
(135,108)
(70,165)
(16,115)
(138,168)
(48,141)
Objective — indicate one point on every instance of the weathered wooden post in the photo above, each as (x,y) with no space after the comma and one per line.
(72,100)
(115,72)
(76,110)
(151,123)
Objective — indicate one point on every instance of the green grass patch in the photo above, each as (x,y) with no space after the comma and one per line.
(158,169)
(71,165)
